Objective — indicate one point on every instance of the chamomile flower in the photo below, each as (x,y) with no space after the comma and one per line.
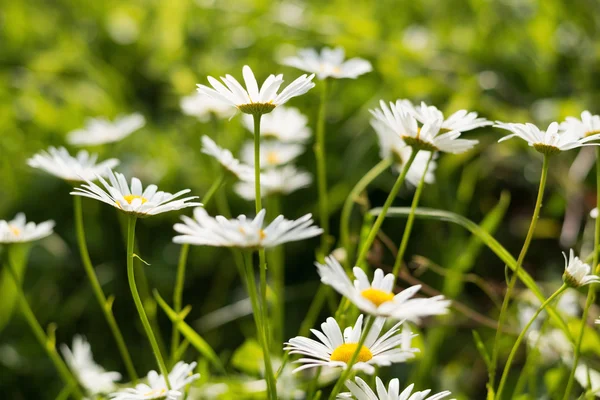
(335,350)
(285,124)
(429,137)
(243,232)
(547,142)
(390,145)
(284,180)
(588,125)
(90,375)
(134,199)
(361,391)
(251,100)
(377,297)
(226,159)
(460,121)
(577,273)
(19,230)
(100,130)
(329,64)
(60,163)
(272,154)
(202,106)
(156,388)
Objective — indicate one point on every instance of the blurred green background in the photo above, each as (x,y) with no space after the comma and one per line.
(65,60)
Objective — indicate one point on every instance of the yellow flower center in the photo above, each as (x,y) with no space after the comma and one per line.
(262,234)
(16,231)
(131,197)
(156,392)
(376,296)
(272,158)
(345,351)
(590,133)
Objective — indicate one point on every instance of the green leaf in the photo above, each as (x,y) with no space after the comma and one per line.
(248,358)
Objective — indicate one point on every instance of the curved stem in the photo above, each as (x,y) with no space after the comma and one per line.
(410,221)
(515,347)
(320,156)
(105,306)
(360,186)
(514,278)
(388,202)
(131,220)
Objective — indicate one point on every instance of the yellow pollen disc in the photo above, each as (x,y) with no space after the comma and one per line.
(345,351)
(131,197)
(242,231)
(590,133)
(16,231)
(272,157)
(376,296)
(261,234)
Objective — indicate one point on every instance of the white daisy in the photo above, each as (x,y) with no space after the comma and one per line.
(156,388)
(390,145)
(202,106)
(329,64)
(60,163)
(252,100)
(335,350)
(285,124)
(549,142)
(100,130)
(272,153)
(594,213)
(553,345)
(242,231)
(588,125)
(284,180)
(400,120)
(361,391)
(588,378)
(92,376)
(577,273)
(226,159)
(18,230)
(134,200)
(377,297)
(461,121)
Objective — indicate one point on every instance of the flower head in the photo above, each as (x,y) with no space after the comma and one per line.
(460,121)
(20,231)
(377,297)
(588,125)
(156,388)
(226,159)
(577,273)
(547,142)
(251,100)
(202,106)
(285,124)
(243,232)
(60,163)
(335,350)
(272,153)
(361,391)
(134,199)
(100,130)
(92,376)
(329,64)
(284,180)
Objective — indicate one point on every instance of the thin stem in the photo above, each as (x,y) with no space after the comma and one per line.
(320,156)
(517,344)
(105,306)
(131,220)
(360,186)
(514,278)
(276,262)
(409,222)
(388,202)
(257,199)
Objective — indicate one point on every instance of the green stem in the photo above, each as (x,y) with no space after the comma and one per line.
(514,278)
(257,199)
(517,344)
(131,220)
(276,262)
(105,306)
(388,202)
(362,184)
(320,156)
(346,373)
(410,221)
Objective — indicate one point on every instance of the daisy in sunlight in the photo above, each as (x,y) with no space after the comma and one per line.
(329,63)
(284,180)
(588,125)
(202,107)
(226,159)
(60,163)
(285,124)
(19,230)
(577,273)
(100,130)
(361,391)
(272,153)
(460,121)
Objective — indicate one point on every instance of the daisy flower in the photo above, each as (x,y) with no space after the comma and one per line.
(242,231)
(588,125)
(92,376)
(272,154)
(400,120)
(549,142)
(226,159)
(390,145)
(100,130)
(202,107)
(361,391)
(461,121)
(19,231)
(60,163)
(329,64)
(285,124)
(156,388)
(577,273)
(284,180)
(594,213)
(251,100)
(133,199)
(377,297)
(335,350)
